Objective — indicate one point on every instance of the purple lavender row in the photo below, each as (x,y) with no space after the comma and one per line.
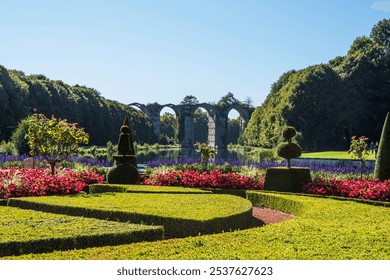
(83,160)
(342,168)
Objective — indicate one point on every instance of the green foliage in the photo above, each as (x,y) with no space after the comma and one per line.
(380,33)
(284,179)
(180,217)
(18,138)
(206,152)
(54,139)
(346,96)
(382,166)
(21,95)
(288,133)
(102,188)
(201,121)
(110,150)
(358,149)
(323,229)
(288,149)
(189,100)
(124,173)
(168,129)
(7,148)
(27,231)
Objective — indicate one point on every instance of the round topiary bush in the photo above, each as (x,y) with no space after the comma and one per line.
(289,132)
(287,179)
(289,150)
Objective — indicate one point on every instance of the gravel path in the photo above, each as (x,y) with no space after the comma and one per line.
(265,216)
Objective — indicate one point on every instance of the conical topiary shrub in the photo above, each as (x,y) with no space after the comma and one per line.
(287,179)
(125,169)
(382,165)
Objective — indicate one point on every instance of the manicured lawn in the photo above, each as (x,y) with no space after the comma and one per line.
(35,231)
(183,206)
(332,155)
(322,229)
(181,214)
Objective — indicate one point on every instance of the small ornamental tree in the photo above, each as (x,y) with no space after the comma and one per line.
(53,139)
(358,150)
(206,152)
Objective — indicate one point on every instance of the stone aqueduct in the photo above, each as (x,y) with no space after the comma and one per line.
(217,124)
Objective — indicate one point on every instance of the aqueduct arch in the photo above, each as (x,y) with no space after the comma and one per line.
(217,125)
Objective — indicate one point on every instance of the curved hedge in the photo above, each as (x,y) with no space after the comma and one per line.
(181,214)
(322,229)
(27,231)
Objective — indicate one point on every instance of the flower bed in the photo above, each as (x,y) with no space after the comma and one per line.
(16,182)
(212,179)
(360,189)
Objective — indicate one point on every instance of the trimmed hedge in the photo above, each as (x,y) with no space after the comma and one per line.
(285,179)
(323,229)
(275,202)
(27,231)
(181,214)
(103,188)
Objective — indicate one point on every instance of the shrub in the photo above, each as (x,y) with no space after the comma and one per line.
(288,149)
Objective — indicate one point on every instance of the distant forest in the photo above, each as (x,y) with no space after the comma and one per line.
(331,102)
(21,96)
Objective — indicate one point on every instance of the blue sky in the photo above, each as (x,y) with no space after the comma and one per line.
(161,50)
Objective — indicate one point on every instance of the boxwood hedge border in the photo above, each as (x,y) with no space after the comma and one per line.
(79,242)
(173,227)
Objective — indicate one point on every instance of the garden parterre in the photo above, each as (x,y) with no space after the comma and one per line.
(323,229)
(26,231)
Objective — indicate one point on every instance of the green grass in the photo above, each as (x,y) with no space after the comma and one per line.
(100,188)
(322,229)
(181,214)
(172,205)
(332,155)
(27,230)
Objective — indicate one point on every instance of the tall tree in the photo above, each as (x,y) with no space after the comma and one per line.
(189,100)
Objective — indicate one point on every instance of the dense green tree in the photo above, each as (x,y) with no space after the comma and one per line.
(18,138)
(234,130)
(380,33)
(168,128)
(227,100)
(21,96)
(329,103)
(189,100)
(201,122)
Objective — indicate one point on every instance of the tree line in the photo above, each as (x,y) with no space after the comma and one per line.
(22,95)
(330,102)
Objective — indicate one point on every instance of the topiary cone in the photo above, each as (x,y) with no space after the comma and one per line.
(382,165)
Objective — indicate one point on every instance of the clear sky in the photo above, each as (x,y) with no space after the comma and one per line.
(161,50)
